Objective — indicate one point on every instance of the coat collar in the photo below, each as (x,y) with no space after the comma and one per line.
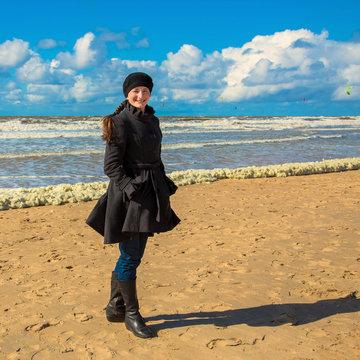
(138,114)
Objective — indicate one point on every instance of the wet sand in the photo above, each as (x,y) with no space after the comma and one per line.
(262,268)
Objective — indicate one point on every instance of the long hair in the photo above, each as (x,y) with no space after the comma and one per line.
(108,124)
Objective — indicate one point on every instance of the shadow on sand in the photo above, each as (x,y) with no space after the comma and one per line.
(266,315)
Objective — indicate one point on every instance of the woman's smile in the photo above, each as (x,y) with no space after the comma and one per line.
(139,97)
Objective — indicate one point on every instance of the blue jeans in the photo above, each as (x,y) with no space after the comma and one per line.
(131,253)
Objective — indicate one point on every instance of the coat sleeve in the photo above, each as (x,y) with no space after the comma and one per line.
(114,160)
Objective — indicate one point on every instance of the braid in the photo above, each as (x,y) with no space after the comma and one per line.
(108,123)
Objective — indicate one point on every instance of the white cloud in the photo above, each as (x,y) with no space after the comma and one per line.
(280,67)
(352,74)
(14,53)
(14,96)
(191,95)
(34,70)
(48,92)
(184,64)
(143,65)
(295,61)
(35,98)
(11,85)
(87,53)
(190,71)
(49,44)
(84,89)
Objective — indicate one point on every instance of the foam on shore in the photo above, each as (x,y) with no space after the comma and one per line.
(65,193)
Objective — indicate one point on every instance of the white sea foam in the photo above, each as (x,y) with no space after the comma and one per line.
(64,193)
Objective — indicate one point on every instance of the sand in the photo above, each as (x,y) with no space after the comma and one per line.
(262,268)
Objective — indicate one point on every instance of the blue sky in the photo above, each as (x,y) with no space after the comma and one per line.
(229,57)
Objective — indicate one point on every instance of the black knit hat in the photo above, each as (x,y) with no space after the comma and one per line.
(137,79)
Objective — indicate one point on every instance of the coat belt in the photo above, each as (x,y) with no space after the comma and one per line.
(144,166)
(150,166)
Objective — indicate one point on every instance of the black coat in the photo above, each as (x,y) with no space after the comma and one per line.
(137,198)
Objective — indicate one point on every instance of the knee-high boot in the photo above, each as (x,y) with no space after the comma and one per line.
(133,320)
(115,310)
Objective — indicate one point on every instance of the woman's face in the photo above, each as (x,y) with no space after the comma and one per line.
(139,97)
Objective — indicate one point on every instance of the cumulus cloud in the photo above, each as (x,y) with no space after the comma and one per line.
(190,72)
(14,53)
(38,71)
(87,53)
(35,98)
(14,96)
(50,44)
(48,93)
(34,70)
(284,66)
(84,89)
(296,61)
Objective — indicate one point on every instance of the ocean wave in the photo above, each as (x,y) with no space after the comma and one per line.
(49,176)
(174,146)
(203,130)
(45,124)
(172,124)
(253,141)
(260,123)
(47,135)
(65,193)
(51,153)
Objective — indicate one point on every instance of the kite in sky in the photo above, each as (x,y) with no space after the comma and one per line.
(348,90)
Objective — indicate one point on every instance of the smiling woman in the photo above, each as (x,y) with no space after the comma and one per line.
(136,204)
(139,97)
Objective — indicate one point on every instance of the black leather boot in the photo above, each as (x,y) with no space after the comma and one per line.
(115,310)
(133,320)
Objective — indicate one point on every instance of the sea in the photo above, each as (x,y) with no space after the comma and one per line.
(37,151)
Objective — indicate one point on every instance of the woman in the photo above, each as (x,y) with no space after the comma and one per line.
(136,204)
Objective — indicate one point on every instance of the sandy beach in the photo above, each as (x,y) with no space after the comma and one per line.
(264,268)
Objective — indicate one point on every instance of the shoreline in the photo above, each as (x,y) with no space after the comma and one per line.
(82,192)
